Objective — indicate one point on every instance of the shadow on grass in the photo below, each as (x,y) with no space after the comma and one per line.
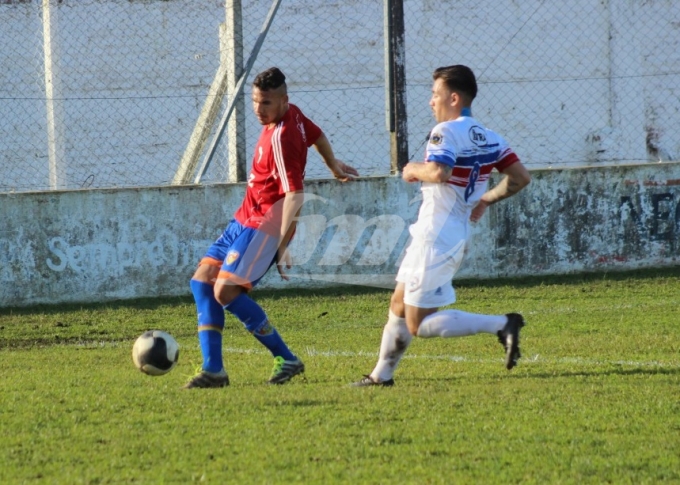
(575,279)
(571,279)
(649,371)
(139,304)
(159,302)
(78,342)
(351,291)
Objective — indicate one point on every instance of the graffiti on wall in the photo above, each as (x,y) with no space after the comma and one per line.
(25,256)
(655,214)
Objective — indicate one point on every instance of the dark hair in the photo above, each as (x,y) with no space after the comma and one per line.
(270,79)
(458,78)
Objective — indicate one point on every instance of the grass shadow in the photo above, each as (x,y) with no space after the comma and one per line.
(572,279)
(137,303)
(651,371)
(341,291)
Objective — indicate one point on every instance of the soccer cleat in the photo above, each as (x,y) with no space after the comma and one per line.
(368,381)
(509,338)
(206,380)
(285,370)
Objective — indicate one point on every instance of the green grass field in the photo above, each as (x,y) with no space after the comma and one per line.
(595,398)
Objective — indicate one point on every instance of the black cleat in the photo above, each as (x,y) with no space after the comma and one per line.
(368,381)
(205,380)
(509,338)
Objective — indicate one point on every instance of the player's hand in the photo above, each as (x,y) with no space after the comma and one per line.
(407,174)
(478,210)
(343,172)
(283,262)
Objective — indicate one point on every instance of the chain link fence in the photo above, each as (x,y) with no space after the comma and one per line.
(583,82)
(107,93)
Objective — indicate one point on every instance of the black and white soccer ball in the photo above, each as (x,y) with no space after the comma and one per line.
(155,352)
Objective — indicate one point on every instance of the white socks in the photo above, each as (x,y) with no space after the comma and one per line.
(444,323)
(454,323)
(395,340)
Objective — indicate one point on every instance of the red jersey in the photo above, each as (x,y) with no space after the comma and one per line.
(278,167)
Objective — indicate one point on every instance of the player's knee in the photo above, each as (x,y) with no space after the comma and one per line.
(206,271)
(203,295)
(200,288)
(397,304)
(226,293)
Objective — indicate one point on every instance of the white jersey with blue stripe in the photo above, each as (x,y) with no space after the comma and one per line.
(472,151)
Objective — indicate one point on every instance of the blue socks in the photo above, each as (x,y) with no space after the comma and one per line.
(210,325)
(255,320)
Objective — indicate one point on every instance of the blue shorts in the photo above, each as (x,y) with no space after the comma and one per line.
(244,254)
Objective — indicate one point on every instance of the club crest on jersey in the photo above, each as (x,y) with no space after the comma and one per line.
(436,138)
(477,135)
(232,256)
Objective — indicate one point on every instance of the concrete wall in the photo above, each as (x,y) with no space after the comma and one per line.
(97,245)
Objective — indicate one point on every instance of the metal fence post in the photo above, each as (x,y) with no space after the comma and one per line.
(395,67)
(232,49)
(53,99)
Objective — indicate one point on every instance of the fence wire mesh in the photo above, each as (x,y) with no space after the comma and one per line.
(107,93)
(568,83)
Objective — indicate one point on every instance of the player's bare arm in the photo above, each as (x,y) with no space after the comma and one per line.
(292,203)
(426,172)
(340,170)
(516,178)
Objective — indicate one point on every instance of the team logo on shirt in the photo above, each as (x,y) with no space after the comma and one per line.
(232,256)
(436,138)
(477,135)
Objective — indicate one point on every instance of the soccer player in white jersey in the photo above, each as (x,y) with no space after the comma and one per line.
(460,155)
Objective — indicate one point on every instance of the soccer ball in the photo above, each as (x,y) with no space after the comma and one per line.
(155,352)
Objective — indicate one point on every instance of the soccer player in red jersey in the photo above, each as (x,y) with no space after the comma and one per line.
(259,234)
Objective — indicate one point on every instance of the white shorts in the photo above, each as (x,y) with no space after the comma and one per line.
(427,273)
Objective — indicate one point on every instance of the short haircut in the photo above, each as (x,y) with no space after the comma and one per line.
(458,78)
(270,79)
